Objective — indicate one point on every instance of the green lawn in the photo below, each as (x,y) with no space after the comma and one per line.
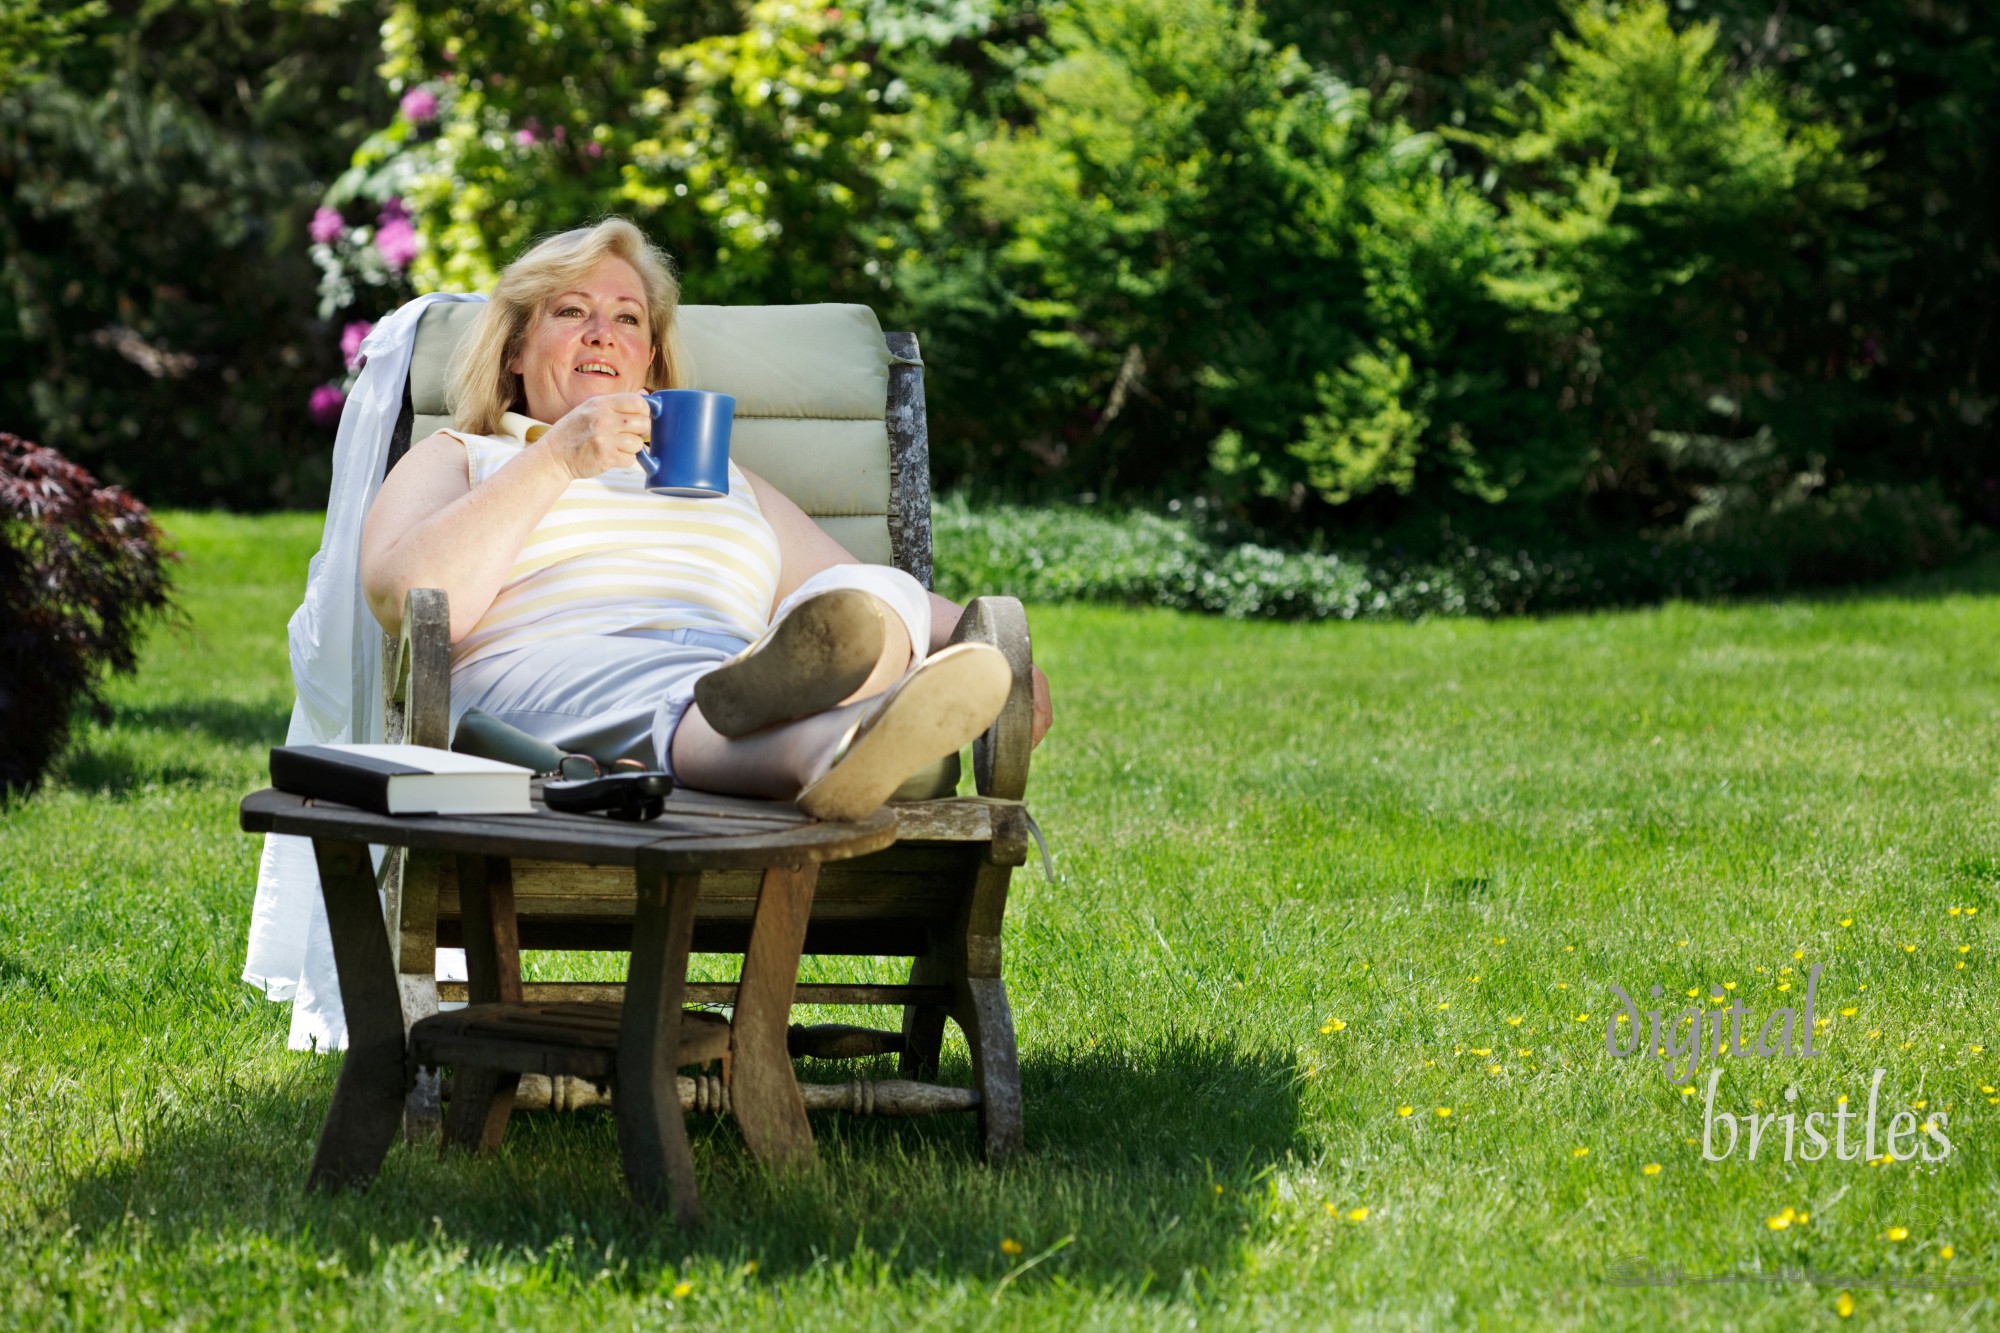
(1309,876)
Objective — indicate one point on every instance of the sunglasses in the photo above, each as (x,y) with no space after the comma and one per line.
(583,767)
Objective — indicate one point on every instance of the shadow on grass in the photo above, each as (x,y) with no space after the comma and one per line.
(136,749)
(226,721)
(1142,1164)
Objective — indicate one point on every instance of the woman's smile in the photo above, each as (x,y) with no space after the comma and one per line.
(591,340)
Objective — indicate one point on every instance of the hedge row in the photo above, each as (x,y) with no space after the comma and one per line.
(1079,554)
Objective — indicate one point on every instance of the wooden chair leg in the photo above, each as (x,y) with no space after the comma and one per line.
(923,1024)
(410,891)
(482,1099)
(770,1113)
(368,1100)
(652,1137)
(996,1067)
(981,1004)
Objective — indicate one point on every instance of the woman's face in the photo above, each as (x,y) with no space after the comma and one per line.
(594,338)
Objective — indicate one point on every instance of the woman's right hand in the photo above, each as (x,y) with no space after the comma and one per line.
(599,434)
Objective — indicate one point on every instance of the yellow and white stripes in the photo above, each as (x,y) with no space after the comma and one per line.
(611,558)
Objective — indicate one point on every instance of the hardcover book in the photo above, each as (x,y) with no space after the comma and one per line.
(402,779)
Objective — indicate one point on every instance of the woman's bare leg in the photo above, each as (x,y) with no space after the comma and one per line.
(772,764)
(894,663)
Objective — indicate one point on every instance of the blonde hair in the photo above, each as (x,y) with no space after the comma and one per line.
(482,389)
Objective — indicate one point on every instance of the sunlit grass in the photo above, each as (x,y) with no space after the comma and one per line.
(1310,876)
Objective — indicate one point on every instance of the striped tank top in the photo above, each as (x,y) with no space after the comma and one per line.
(610,558)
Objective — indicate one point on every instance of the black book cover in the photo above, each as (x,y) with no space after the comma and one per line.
(327,774)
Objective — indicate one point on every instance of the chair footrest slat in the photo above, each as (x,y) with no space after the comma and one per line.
(709,1095)
(575,1039)
(714,992)
(838,1041)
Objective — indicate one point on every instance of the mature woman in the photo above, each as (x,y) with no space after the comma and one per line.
(728,641)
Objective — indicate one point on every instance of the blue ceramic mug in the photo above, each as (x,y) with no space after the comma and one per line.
(689,454)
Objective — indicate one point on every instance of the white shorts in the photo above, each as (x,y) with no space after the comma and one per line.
(622,696)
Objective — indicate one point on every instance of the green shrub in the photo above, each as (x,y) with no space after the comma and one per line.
(156,312)
(82,568)
(1069,554)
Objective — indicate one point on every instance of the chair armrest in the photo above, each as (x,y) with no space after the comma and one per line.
(419,675)
(1000,757)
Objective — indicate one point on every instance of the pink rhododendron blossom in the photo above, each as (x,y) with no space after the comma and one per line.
(529,134)
(325,225)
(594,148)
(325,403)
(419,106)
(392,211)
(397,240)
(351,338)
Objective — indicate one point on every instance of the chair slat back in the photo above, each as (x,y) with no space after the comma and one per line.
(829,409)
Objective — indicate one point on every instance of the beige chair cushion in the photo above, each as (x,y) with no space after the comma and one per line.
(811,384)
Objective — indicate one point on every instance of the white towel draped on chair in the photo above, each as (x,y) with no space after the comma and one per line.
(336,650)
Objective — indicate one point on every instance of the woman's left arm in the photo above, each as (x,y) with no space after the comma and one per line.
(804,550)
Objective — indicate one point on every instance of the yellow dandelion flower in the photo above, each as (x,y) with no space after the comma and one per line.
(1474,978)
(1896,1233)
(1514,1022)
(1920,1105)
(1650,1169)
(1684,944)
(1798,954)
(1569,948)
(1218,1191)
(1444,1004)
(1693,993)
(1965,948)
(1493,1069)
(1332,1210)
(1841,1100)
(1010,1246)
(681,1290)
(1499,939)
(1784,985)
(1334,1025)
(1844,1305)
(1947,1252)
(1953,911)
(1357,1214)
(1444,1112)
(1579,1152)
(1972,911)
(1688,1091)
(1803,1218)
(1523,1052)
(1846,921)
(1986,1087)
(1909,948)
(1850,1011)
(1482,1050)
(1562,985)
(1406,1110)
(1624,1018)
(1961,967)
(1729,985)
(1874,1033)
(1906,1046)
(1583,1018)
(1778,1223)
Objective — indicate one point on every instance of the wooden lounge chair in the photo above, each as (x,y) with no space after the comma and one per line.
(831,411)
